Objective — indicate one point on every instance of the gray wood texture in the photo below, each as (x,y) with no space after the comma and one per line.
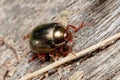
(19,17)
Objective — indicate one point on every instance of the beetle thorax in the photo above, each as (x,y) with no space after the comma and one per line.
(58,36)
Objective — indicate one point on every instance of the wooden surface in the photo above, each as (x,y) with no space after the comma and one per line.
(19,17)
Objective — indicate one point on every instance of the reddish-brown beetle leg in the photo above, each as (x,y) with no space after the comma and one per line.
(33,58)
(41,56)
(75,28)
(63,52)
(81,25)
(71,42)
(52,55)
(71,51)
(75,36)
(71,26)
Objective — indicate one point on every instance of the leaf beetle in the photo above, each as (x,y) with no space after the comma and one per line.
(50,39)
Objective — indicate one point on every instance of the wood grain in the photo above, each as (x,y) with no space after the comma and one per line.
(18,18)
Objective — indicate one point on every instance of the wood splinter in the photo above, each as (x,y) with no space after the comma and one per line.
(71,57)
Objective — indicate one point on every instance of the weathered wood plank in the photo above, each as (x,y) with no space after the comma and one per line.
(18,18)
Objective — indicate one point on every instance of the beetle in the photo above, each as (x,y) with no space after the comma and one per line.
(51,38)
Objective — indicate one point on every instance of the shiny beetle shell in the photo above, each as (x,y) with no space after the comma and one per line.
(47,37)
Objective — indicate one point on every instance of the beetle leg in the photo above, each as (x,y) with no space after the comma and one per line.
(33,58)
(71,51)
(75,36)
(63,51)
(71,42)
(75,28)
(41,56)
(52,55)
